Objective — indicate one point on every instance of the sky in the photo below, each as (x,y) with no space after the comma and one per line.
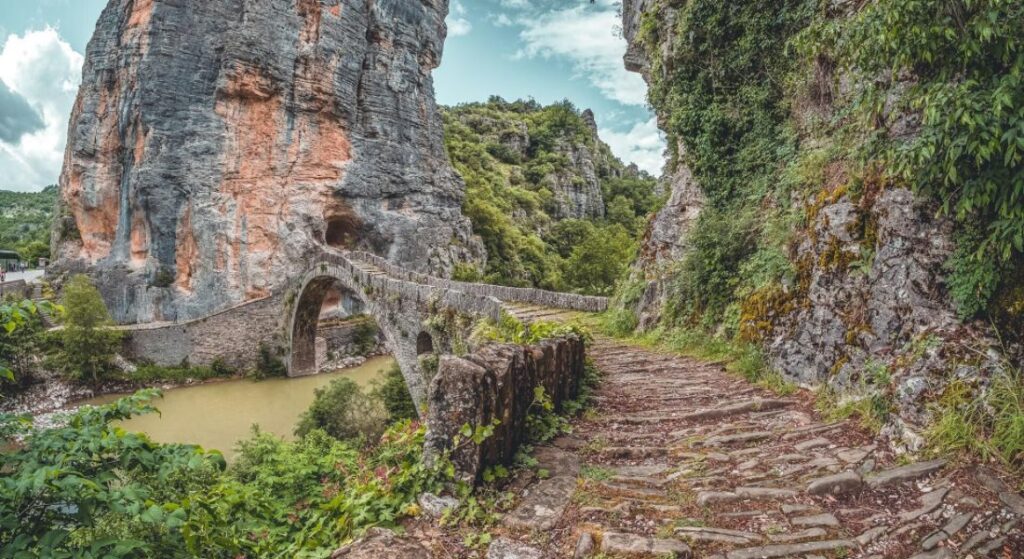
(549,50)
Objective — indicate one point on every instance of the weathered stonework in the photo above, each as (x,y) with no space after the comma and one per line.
(400,301)
(233,335)
(497,382)
(870,299)
(215,144)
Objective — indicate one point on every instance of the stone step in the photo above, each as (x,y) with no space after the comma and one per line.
(633,452)
(904,474)
(791,550)
(632,545)
(737,408)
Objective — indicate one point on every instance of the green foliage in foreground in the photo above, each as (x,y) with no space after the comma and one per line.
(990,425)
(91,490)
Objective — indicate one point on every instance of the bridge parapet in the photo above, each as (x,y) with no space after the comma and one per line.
(398,282)
(542,297)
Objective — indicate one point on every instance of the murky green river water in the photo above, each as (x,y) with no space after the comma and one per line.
(217,415)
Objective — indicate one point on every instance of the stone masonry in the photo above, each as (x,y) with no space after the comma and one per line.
(496,383)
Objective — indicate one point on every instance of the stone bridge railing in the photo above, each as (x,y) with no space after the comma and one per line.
(402,284)
(554,299)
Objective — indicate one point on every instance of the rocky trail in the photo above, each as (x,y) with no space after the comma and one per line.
(681,459)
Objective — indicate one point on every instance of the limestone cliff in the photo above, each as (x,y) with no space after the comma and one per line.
(214,144)
(861,301)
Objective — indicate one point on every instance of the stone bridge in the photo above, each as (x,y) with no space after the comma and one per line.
(399,300)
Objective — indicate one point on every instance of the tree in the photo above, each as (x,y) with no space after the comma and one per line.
(32,251)
(394,394)
(620,211)
(14,317)
(88,339)
(600,260)
(344,412)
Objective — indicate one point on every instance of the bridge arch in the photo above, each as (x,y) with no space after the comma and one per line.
(401,301)
(398,318)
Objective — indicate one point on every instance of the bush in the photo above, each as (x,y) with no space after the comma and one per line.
(393,393)
(365,336)
(599,261)
(106,492)
(706,279)
(21,349)
(344,411)
(88,341)
(269,365)
(113,494)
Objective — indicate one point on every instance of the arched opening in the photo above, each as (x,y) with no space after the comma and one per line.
(424,344)
(330,324)
(342,231)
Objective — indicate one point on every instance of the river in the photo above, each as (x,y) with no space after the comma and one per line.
(217,415)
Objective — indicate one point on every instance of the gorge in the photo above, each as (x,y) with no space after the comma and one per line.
(803,340)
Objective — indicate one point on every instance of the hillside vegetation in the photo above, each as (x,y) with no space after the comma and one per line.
(554,207)
(25,219)
(862,168)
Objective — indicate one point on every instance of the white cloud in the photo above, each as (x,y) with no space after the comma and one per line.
(501,20)
(586,38)
(43,69)
(458,24)
(643,144)
(517,4)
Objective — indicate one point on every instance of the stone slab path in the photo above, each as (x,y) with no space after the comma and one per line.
(682,459)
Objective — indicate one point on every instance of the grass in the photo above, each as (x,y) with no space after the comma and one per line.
(987,425)
(872,411)
(744,359)
(596,473)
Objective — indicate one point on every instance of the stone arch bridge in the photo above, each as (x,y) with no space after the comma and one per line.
(399,300)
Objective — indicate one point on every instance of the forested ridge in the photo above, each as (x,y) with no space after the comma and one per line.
(25,219)
(553,206)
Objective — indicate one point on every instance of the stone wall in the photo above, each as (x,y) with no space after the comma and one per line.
(233,335)
(18,288)
(342,338)
(497,383)
(574,301)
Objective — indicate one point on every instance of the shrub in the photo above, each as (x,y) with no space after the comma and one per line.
(365,336)
(20,347)
(113,494)
(708,275)
(106,492)
(88,341)
(597,263)
(269,365)
(344,411)
(393,393)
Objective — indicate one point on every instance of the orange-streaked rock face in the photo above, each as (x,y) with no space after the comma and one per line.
(268,171)
(214,143)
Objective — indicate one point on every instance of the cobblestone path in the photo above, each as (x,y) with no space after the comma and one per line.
(680,458)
